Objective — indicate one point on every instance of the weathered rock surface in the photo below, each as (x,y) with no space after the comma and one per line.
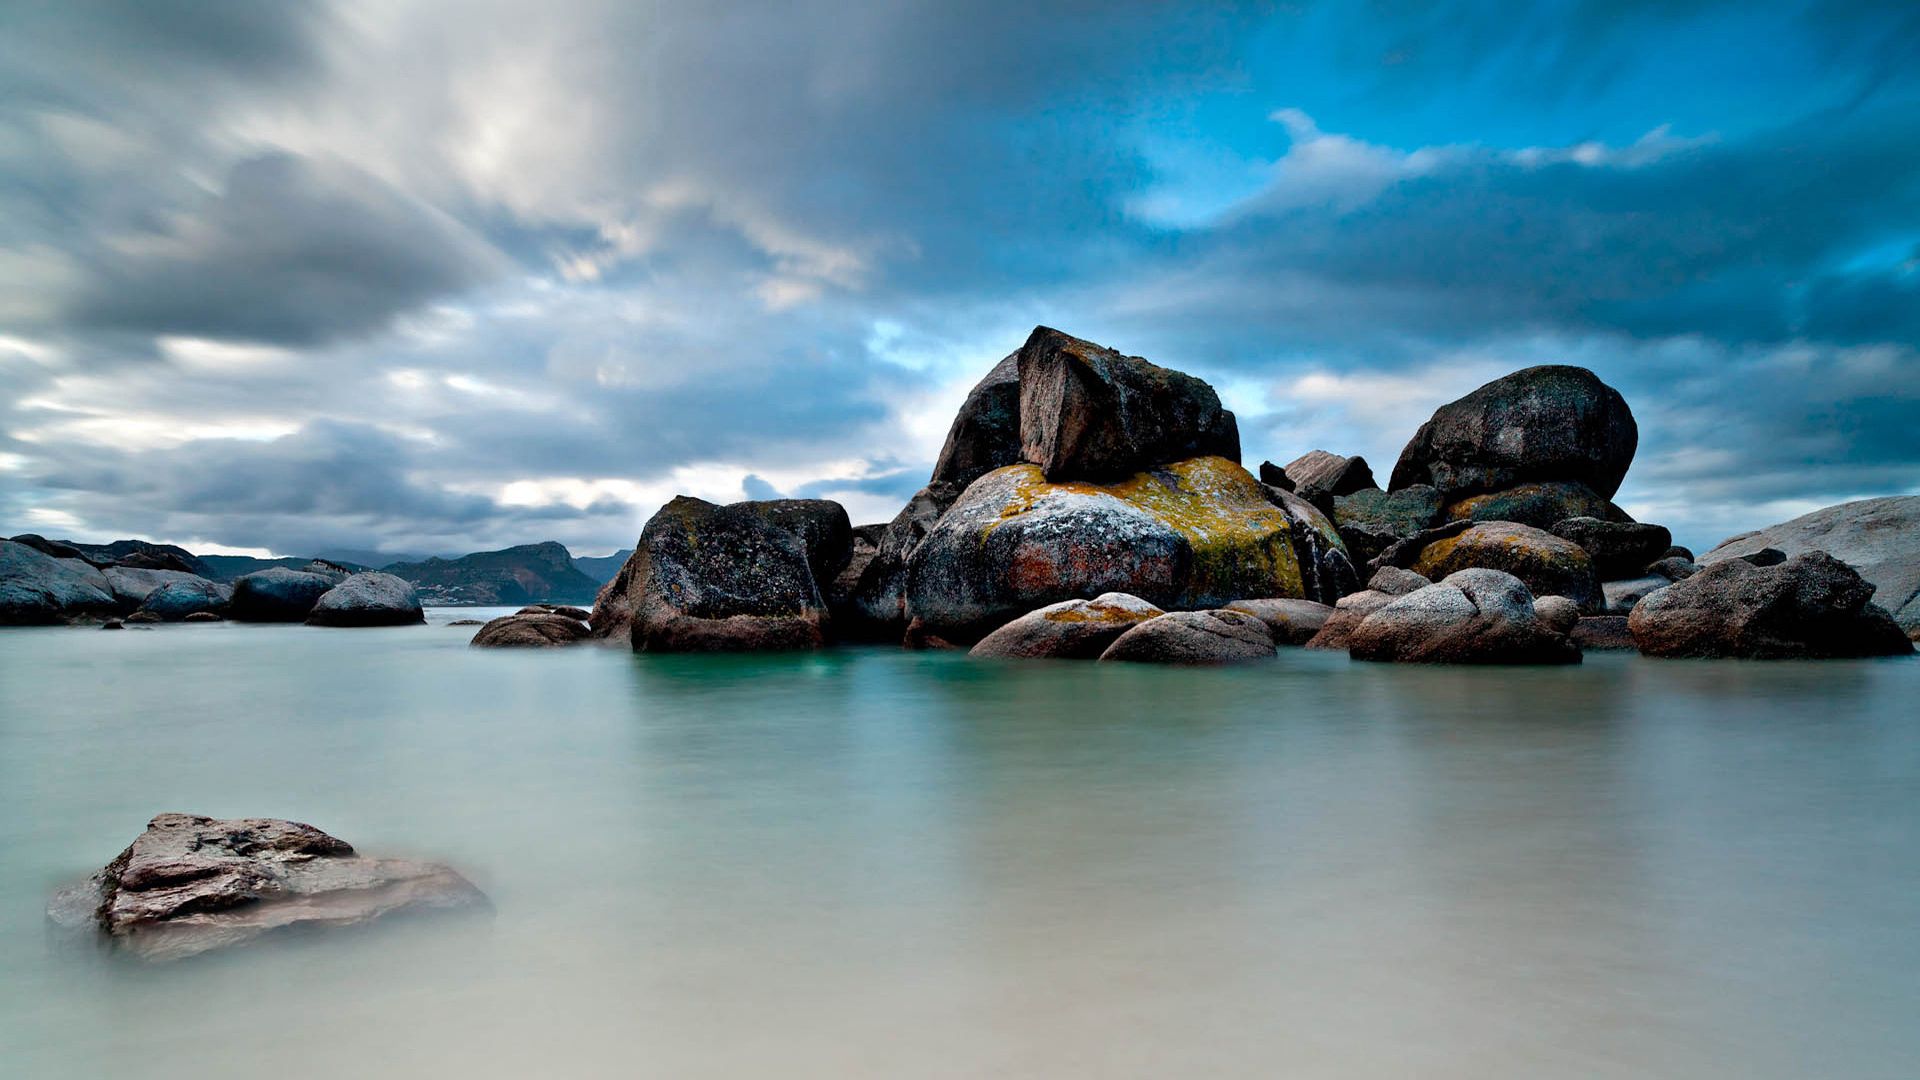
(1539,505)
(1543,423)
(1089,413)
(1621,597)
(821,526)
(716,578)
(1275,476)
(277,595)
(1288,621)
(529,631)
(986,432)
(1557,613)
(191,884)
(132,585)
(1326,570)
(1371,520)
(1196,534)
(1673,569)
(1194,638)
(1604,633)
(1350,612)
(36,588)
(1880,538)
(1396,581)
(1549,565)
(178,599)
(1069,630)
(370,598)
(1474,616)
(1619,548)
(877,607)
(1813,606)
(1319,475)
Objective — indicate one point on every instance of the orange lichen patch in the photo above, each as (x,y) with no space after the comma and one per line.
(1099,613)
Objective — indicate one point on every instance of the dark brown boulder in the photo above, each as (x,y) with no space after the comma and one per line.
(529,631)
(1069,630)
(1193,638)
(1543,423)
(986,432)
(1274,476)
(1288,621)
(1619,549)
(1811,606)
(876,610)
(1548,564)
(1090,413)
(1539,505)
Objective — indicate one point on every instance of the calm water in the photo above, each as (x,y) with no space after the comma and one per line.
(876,863)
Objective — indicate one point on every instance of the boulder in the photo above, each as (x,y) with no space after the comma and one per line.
(706,578)
(1318,475)
(1090,413)
(143,616)
(1620,597)
(52,548)
(838,593)
(112,623)
(1673,569)
(132,585)
(1326,570)
(190,884)
(1350,612)
(1557,613)
(1288,621)
(203,616)
(1543,423)
(1678,552)
(1396,581)
(1069,630)
(478,622)
(180,599)
(1619,548)
(1195,534)
(1812,606)
(1540,505)
(278,595)
(877,607)
(37,588)
(1195,638)
(1274,476)
(820,525)
(1547,564)
(986,432)
(369,598)
(1603,633)
(529,631)
(1371,520)
(1880,538)
(1474,616)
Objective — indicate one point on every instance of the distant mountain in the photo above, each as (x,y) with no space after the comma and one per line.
(372,560)
(530,573)
(602,568)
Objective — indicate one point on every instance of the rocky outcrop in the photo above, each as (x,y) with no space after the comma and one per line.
(523,630)
(1193,638)
(1811,606)
(56,549)
(179,599)
(1089,413)
(716,578)
(1194,534)
(191,884)
(986,432)
(1539,505)
(1069,630)
(1371,520)
(277,595)
(36,588)
(1475,616)
(1619,548)
(370,598)
(877,607)
(1547,564)
(1288,621)
(1326,570)
(1318,475)
(1548,423)
(1879,538)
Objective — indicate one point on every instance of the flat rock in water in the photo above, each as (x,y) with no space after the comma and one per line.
(191,884)
(1194,638)
(529,631)
(368,599)
(1879,538)
(1069,630)
(1812,606)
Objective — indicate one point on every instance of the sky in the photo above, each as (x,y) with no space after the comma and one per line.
(432,276)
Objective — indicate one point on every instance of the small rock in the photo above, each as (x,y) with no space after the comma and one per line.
(1622,596)
(519,631)
(1289,621)
(1765,557)
(113,624)
(1194,637)
(203,616)
(1673,568)
(1557,613)
(1274,476)
(1069,630)
(1678,552)
(1318,475)
(1396,581)
(482,622)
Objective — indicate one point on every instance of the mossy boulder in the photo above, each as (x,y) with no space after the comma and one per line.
(1547,423)
(1089,413)
(1548,564)
(1371,520)
(1198,533)
(1540,505)
(1069,630)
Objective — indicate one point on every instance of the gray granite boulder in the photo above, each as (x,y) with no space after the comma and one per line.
(1474,616)
(1289,621)
(278,595)
(1069,630)
(36,588)
(1879,538)
(190,884)
(370,598)
(1557,613)
(1553,422)
(1811,606)
(1193,638)
(1337,631)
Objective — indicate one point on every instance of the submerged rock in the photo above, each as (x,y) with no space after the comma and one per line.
(1069,630)
(1879,538)
(528,631)
(1811,606)
(1196,534)
(1474,616)
(1089,413)
(368,599)
(191,884)
(1288,621)
(36,588)
(1193,638)
(1545,423)
(278,595)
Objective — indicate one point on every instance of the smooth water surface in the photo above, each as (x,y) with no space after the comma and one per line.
(872,863)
